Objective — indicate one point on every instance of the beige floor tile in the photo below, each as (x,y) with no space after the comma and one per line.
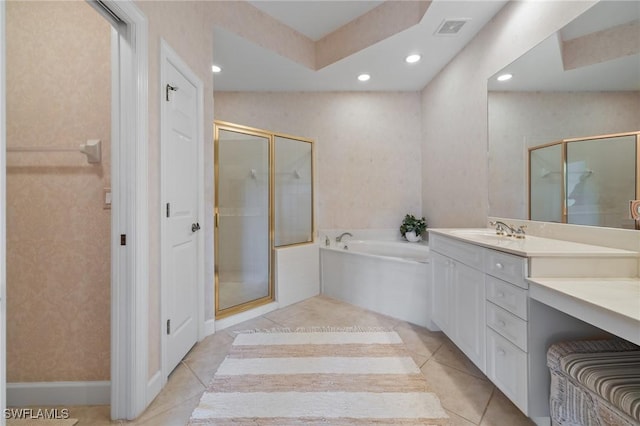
(175,416)
(462,393)
(419,359)
(218,342)
(260,323)
(419,339)
(450,355)
(205,365)
(501,411)
(181,386)
(456,420)
(364,318)
(312,318)
(89,415)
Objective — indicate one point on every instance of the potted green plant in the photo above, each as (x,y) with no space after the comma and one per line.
(412,228)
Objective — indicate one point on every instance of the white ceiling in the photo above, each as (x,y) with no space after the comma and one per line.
(248,67)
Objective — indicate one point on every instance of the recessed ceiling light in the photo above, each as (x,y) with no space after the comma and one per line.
(412,59)
(215,68)
(504,77)
(364,77)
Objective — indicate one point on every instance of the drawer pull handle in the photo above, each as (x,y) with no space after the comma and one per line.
(500,295)
(501,352)
(502,323)
(499,265)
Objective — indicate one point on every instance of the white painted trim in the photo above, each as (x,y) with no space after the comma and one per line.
(58,393)
(167,54)
(130,263)
(209,327)
(154,387)
(232,320)
(3,216)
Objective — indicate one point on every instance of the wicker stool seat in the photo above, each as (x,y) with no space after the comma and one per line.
(595,382)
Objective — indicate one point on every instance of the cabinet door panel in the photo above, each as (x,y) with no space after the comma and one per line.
(441,312)
(469,320)
(507,369)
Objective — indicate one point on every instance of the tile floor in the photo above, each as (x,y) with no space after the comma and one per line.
(467,395)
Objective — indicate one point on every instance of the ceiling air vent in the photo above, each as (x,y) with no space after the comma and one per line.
(451,27)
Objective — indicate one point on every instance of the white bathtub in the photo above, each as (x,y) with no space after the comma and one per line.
(389,277)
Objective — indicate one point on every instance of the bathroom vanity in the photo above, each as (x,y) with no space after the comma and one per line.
(504,301)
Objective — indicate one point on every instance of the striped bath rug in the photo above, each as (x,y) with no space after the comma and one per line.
(330,376)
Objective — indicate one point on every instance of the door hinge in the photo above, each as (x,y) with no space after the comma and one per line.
(168,209)
(168,89)
(123,239)
(168,326)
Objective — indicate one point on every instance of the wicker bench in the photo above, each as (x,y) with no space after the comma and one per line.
(594,382)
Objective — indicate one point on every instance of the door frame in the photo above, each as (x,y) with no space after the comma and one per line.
(168,55)
(129,263)
(3,218)
(129,214)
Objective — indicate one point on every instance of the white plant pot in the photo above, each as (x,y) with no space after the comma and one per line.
(412,237)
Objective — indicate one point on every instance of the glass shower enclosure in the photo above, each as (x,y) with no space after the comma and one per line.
(263,201)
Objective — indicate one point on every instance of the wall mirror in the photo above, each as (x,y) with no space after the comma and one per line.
(585,181)
(582,81)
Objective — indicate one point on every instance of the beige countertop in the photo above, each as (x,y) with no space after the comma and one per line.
(531,246)
(612,304)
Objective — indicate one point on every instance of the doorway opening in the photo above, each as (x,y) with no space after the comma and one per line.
(129,266)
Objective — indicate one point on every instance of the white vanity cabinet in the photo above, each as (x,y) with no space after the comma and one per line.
(504,301)
(480,302)
(459,295)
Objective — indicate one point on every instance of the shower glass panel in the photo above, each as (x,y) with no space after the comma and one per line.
(243,243)
(601,181)
(293,206)
(546,194)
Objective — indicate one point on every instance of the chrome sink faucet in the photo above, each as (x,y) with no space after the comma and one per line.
(508,230)
(339,238)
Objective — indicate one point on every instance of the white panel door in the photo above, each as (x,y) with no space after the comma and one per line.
(181,227)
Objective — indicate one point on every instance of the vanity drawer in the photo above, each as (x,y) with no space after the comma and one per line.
(508,325)
(505,266)
(468,254)
(507,369)
(507,296)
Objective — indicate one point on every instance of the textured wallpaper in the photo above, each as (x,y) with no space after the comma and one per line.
(58,254)
(367,149)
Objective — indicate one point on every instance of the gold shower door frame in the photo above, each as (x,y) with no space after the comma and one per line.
(271,136)
(221,125)
(564,143)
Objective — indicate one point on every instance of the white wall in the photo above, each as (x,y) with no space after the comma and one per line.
(454,110)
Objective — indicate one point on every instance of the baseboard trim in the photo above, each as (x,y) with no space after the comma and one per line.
(58,393)
(154,386)
(209,327)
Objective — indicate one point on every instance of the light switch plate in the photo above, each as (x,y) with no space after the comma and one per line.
(106,198)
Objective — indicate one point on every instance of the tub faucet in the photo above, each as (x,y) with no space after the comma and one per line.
(339,238)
